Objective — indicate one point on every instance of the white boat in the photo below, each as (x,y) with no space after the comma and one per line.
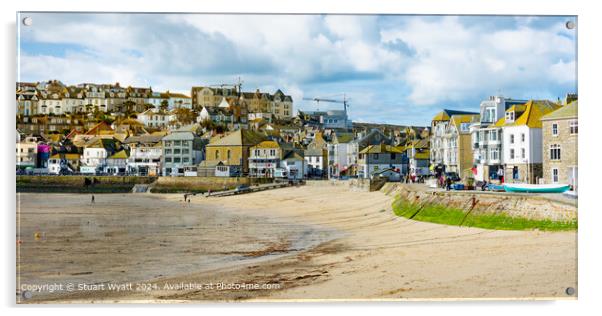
(536,188)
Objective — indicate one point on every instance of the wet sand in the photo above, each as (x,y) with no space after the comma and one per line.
(298,243)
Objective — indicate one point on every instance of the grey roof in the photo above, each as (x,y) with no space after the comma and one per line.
(144,139)
(177,135)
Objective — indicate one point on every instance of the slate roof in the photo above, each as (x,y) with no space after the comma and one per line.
(241,137)
(380,149)
(568,111)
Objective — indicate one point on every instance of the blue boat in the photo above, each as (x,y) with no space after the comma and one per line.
(536,188)
(495,187)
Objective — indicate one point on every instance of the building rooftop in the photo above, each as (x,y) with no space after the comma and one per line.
(446,114)
(531,116)
(381,149)
(568,111)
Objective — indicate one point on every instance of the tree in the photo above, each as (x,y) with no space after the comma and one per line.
(164,105)
(128,106)
(184,116)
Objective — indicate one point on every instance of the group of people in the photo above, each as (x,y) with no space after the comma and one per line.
(445,182)
(412,178)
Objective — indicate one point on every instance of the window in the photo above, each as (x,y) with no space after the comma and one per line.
(216,154)
(555,152)
(229,154)
(573,125)
(522,153)
(392,156)
(375,156)
(511,153)
(489,115)
(511,138)
(554,175)
(493,135)
(522,137)
(555,129)
(495,153)
(167,159)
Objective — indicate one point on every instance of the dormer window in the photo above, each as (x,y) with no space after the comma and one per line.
(510,116)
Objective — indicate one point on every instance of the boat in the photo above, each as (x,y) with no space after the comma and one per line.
(536,188)
(495,187)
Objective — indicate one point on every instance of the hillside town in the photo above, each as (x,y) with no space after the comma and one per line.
(222,131)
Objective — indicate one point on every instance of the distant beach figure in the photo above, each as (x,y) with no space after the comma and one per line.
(92,199)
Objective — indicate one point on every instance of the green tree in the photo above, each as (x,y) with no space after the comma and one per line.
(164,106)
(128,107)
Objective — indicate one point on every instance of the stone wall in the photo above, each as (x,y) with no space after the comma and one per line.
(568,150)
(79,184)
(530,173)
(202,184)
(515,205)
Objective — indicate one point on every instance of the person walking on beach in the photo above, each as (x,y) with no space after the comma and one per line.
(92,201)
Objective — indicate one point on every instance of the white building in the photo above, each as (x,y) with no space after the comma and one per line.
(264,159)
(95,154)
(294,165)
(63,162)
(342,155)
(522,140)
(27,152)
(486,138)
(145,155)
(178,100)
(150,118)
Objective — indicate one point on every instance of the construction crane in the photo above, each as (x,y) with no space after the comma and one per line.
(345,103)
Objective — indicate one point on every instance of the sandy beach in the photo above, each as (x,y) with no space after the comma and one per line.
(298,243)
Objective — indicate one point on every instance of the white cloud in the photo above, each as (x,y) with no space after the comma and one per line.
(407,61)
(454,61)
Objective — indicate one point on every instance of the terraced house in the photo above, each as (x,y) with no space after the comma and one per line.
(231,151)
(264,159)
(560,144)
(450,140)
(377,158)
(182,151)
(487,138)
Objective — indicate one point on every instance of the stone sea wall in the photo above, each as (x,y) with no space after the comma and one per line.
(536,207)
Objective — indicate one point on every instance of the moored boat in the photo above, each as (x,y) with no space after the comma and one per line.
(536,188)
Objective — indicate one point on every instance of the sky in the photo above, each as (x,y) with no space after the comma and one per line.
(395,69)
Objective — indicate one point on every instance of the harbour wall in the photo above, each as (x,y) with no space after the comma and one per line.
(529,206)
(79,183)
(202,184)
